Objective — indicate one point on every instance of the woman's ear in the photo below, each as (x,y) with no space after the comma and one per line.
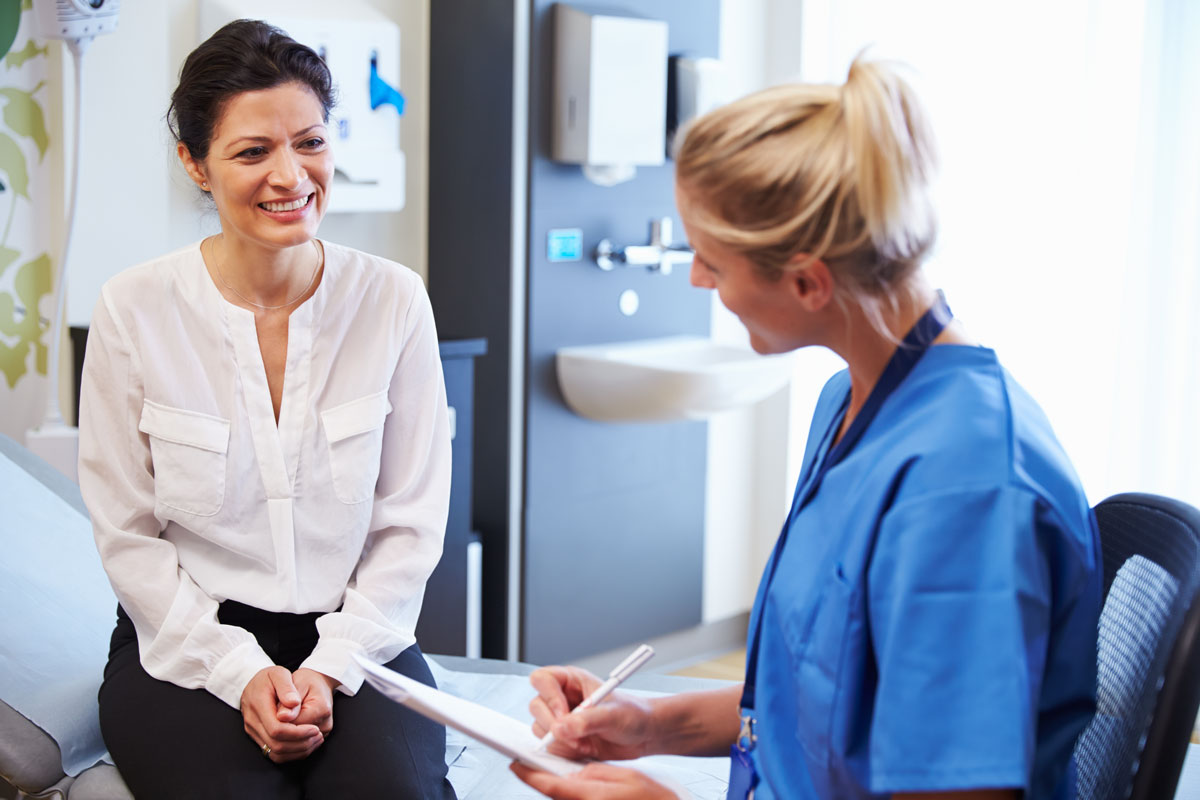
(810,282)
(194,170)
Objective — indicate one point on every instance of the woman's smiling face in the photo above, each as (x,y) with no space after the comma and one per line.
(269,166)
(764,305)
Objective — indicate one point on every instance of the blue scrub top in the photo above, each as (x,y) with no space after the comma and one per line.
(932,622)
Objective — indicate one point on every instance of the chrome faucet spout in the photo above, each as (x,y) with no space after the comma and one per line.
(660,255)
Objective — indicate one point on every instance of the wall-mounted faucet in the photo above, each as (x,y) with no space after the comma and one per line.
(658,256)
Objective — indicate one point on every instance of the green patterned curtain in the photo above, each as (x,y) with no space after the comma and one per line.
(28,203)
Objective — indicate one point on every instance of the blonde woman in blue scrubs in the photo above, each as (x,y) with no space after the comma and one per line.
(926,626)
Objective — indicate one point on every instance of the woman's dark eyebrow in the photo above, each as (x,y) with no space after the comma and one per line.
(262,139)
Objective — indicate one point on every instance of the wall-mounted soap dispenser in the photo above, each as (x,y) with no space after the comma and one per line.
(610,92)
(362,48)
(696,86)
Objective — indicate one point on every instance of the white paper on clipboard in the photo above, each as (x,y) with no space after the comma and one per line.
(498,731)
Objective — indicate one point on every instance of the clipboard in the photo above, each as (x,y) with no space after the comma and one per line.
(498,731)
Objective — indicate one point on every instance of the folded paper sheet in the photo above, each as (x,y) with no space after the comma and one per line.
(498,731)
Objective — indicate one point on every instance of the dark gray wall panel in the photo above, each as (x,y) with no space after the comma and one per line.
(470,241)
(606,568)
(614,514)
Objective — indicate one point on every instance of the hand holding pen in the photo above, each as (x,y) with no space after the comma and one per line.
(617,732)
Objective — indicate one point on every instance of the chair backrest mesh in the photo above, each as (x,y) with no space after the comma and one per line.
(1151,572)
(1136,613)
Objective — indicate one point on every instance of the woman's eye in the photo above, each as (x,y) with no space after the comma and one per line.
(313,144)
(252,152)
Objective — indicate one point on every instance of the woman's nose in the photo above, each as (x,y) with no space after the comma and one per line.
(699,276)
(287,171)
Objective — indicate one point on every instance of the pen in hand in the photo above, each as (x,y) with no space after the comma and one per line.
(615,678)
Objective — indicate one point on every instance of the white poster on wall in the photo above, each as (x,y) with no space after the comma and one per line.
(27,210)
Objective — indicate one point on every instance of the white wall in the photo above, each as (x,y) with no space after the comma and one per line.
(123,209)
(1065,242)
(136,202)
(1045,119)
(752,466)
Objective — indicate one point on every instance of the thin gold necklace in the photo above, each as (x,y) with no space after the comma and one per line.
(316,269)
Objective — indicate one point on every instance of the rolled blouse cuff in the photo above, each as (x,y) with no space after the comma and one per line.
(335,658)
(229,678)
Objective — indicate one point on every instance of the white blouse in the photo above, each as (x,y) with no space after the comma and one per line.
(197,496)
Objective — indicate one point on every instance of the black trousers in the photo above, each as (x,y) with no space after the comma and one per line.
(178,744)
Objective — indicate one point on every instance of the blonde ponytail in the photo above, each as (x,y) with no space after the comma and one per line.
(840,173)
(892,150)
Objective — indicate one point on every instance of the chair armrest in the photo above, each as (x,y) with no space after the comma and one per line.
(101,782)
(29,759)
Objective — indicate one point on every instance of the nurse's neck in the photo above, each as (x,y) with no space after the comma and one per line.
(867,350)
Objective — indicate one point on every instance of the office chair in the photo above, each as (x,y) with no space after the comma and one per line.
(1149,650)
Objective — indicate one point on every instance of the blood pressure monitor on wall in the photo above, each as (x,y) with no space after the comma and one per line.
(75,19)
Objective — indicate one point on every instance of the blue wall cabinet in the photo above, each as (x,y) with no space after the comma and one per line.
(442,627)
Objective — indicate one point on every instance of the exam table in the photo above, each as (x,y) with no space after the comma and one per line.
(58,613)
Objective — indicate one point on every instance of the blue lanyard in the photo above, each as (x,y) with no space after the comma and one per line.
(918,340)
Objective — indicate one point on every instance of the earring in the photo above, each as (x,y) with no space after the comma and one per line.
(204,186)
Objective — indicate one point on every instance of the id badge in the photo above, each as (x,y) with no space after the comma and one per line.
(742,777)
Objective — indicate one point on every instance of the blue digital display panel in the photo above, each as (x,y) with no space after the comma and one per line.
(564,244)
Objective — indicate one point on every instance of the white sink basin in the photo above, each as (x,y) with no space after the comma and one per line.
(680,377)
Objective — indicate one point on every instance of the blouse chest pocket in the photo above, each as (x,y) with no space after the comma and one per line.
(354,431)
(188,451)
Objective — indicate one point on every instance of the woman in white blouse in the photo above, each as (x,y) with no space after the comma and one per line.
(265,453)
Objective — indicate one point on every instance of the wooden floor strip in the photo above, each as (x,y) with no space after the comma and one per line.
(729,667)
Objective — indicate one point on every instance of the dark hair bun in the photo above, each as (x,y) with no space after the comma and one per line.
(244,56)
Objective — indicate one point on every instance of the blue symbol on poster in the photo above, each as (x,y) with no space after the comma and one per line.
(564,244)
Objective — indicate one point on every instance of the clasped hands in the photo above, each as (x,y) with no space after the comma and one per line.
(288,714)
(620,727)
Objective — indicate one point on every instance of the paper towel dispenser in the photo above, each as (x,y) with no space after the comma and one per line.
(610,91)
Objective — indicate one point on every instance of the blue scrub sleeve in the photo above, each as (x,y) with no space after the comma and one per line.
(960,602)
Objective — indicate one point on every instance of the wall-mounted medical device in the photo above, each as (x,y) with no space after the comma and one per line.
(610,92)
(75,19)
(362,48)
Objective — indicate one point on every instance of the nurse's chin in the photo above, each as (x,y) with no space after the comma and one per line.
(765,348)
